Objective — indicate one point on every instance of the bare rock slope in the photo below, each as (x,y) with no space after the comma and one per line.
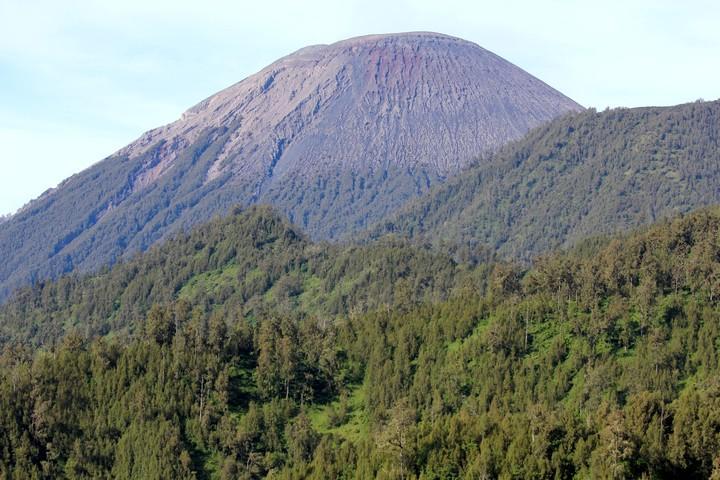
(336,136)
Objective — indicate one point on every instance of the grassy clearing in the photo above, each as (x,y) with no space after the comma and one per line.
(210,282)
(355,426)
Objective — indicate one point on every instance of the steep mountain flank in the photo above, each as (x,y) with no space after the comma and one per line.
(336,136)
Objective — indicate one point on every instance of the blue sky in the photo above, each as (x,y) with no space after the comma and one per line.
(79,79)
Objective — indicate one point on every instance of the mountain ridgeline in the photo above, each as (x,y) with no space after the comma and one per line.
(584,175)
(230,353)
(336,137)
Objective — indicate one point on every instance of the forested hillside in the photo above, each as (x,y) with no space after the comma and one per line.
(236,267)
(579,176)
(596,363)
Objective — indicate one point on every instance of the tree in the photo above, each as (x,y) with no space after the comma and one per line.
(397,436)
(301,439)
(160,325)
(151,450)
(615,448)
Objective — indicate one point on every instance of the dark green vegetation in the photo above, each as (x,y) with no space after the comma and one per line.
(578,176)
(238,268)
(239,359)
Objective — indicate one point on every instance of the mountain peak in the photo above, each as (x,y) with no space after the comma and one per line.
(409,37)
(401,81)
(335,136)
(382,38)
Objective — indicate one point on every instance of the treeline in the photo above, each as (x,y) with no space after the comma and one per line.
(597,363)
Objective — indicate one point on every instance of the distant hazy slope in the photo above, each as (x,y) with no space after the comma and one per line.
(336,136)
(579,176)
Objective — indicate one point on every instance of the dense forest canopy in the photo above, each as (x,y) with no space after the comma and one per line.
(238,267)
(236,352)
(578,176)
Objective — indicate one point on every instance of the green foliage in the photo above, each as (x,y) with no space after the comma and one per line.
(583,366)
(239,267)
(149,450)
(576,177)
